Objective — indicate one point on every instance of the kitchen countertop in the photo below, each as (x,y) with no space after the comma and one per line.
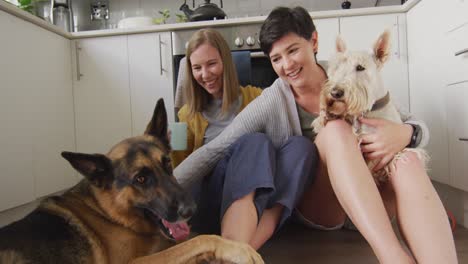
(13,10)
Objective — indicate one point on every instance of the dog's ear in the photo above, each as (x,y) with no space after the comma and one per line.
(382,48)
(157,127)
(340,44)
(97,168)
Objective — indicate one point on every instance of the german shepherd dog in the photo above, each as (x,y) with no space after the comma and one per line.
(129,208)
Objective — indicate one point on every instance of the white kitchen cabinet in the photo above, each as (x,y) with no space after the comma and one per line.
(428,70)
(457,40)
(117,83)
(454,13)
(457,120)
(36,112)
(432,66)
(327,29)
(52,115)
(16,157)
(150,68)
(361,32)
(101,93)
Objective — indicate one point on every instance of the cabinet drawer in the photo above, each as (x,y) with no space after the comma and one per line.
(458,42)
(457,109)
(458,163)
(453,13)
(457,121)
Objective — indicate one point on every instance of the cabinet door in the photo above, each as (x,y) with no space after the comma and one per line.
(53,124)
(454,13)
(328,30)
(457,40)
(16,157)
(428,68)
(457,120)
(36,112)
(361,32)
(101,93)
(150,67)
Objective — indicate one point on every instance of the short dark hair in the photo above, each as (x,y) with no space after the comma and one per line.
(282,21)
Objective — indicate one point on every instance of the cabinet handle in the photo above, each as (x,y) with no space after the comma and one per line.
(460,52)
(160,55)
(463,139)
(77,55)
(397,25)
(258,54)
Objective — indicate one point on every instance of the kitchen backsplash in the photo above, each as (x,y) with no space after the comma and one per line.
(233,8)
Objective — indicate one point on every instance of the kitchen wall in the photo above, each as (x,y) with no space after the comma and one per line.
(233,8)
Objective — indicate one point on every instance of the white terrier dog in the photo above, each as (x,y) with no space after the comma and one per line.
(355,88)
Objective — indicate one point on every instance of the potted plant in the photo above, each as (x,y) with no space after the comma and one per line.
(26,5)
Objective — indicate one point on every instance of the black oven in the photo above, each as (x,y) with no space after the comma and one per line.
(252,65)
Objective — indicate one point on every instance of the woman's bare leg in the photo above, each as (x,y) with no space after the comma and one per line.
(266,226)
(421,215)
(240,220)
(356,191)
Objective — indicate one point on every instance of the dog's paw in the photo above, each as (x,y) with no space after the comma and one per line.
(239,253)
(228,251)
(318,123)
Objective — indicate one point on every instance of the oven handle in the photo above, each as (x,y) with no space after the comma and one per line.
(258,54)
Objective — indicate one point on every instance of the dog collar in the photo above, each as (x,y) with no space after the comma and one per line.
(379,104)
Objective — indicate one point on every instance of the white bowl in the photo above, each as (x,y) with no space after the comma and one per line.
(131,22)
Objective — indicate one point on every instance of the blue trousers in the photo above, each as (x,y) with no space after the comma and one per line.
(252,163)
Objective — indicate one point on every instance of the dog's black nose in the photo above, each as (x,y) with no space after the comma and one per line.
(187,210)
(337,93)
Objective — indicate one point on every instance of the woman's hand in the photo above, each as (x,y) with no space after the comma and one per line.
(387,139)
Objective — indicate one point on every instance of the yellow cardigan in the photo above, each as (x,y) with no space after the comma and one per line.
(196,126)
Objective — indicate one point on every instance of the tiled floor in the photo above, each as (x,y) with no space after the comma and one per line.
(300,245)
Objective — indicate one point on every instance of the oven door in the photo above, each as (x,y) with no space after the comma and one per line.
(262,73)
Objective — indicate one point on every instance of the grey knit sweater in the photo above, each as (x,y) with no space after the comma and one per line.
(274,113)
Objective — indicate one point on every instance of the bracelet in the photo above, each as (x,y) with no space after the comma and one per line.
(415,137)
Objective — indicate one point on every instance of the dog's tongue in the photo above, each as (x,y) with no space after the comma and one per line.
(179,230)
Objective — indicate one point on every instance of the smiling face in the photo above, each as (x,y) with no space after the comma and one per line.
(207,69)
(293,59)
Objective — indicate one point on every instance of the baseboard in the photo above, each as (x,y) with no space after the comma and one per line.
(16,213)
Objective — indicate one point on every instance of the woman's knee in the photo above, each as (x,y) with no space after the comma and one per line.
(248,198)
(301,146)
(300,143)
(409,166)
(254,139)
(334,130)
(334,134)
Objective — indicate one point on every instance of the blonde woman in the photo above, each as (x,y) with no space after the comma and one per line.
(252,189)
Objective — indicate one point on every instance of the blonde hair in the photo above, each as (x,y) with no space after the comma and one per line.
(196,96)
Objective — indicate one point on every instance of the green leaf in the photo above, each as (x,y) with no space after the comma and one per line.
(181,18)
(24,2)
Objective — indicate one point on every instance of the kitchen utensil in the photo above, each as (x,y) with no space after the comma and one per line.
(42,9)
(205,11)
(62,15)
